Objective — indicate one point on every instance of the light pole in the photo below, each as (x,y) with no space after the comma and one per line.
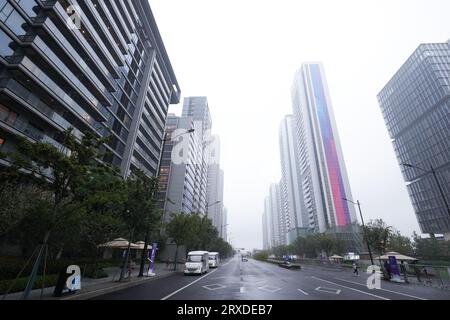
(408,165)
(210,205)
(146,240)
(163,218)
(364,227)
(179,135)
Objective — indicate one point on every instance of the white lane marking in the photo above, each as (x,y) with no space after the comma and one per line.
(190,284)
(242,289)
(403,294)
(227,263)
(270,289)
(340,285)
(304,292)
(328,290)
(213,287)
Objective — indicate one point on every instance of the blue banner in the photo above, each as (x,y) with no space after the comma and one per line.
(152,259)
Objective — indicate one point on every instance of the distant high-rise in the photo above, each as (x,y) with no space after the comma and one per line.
(179,176)
(224,230)
(215,187)
(293,206)
(273,219)
(416,107)
(186,164)
(110,76)
(198,109)
(266,234)
(323,173)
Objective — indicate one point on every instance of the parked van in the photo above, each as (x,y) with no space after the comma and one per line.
(197,262)
(213,259)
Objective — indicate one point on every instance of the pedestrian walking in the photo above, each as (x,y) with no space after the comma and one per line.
(403,270)
(427,276)
(355,269)
(387,267)
(417,271)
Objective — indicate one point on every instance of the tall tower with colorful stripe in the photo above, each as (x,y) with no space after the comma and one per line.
(323,173)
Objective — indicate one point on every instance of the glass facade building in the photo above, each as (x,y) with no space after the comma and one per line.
(416,107)
(323,173)
(97,66)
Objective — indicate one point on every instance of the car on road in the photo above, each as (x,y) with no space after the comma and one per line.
(244,258)
(289,265)
(197,262)
(213,259)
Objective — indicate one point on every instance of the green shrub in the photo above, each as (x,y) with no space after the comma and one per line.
(261,256)
(93,272)
(21,283)
(11,266)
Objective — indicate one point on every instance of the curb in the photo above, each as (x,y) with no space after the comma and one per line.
(100,292)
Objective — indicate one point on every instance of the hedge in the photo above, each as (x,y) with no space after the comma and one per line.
(21,283)
(11,266)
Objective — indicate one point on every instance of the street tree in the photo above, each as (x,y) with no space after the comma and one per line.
(377,234)
(400,243)
(102,198)
(139,213)
(180,230)
(57,172)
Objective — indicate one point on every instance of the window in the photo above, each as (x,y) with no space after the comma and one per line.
(195,258)
(5,44)
(164,171)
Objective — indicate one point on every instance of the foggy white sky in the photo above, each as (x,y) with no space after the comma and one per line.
(243,54)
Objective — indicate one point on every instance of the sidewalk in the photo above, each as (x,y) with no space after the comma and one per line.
(91,288)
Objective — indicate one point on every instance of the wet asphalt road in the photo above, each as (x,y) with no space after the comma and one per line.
(255,280)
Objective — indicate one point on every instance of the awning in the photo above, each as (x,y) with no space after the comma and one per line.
(398,256)
(120,243)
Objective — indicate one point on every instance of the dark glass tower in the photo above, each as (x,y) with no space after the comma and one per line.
(416,107)
(93,65)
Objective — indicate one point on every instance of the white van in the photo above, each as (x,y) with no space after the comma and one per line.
(197,262)
(213,259)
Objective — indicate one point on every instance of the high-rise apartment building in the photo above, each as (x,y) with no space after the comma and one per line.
(97,66)
(178,171)
(323,173)
(185,159)
(224,229)
(273,219)
(416,107)
(267,221)
(215,187)
(296,220)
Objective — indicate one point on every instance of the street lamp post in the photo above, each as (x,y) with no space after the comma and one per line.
(146,240)
(181,134)
(210,205)
(435,178)
(364,227)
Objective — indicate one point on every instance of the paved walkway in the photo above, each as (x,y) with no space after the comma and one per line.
(94,287)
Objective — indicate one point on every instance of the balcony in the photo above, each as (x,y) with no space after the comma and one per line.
(25,128)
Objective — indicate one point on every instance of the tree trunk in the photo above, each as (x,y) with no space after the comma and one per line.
(36,266)
(125,262)
(59,254)
(144,256)
(176,258)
